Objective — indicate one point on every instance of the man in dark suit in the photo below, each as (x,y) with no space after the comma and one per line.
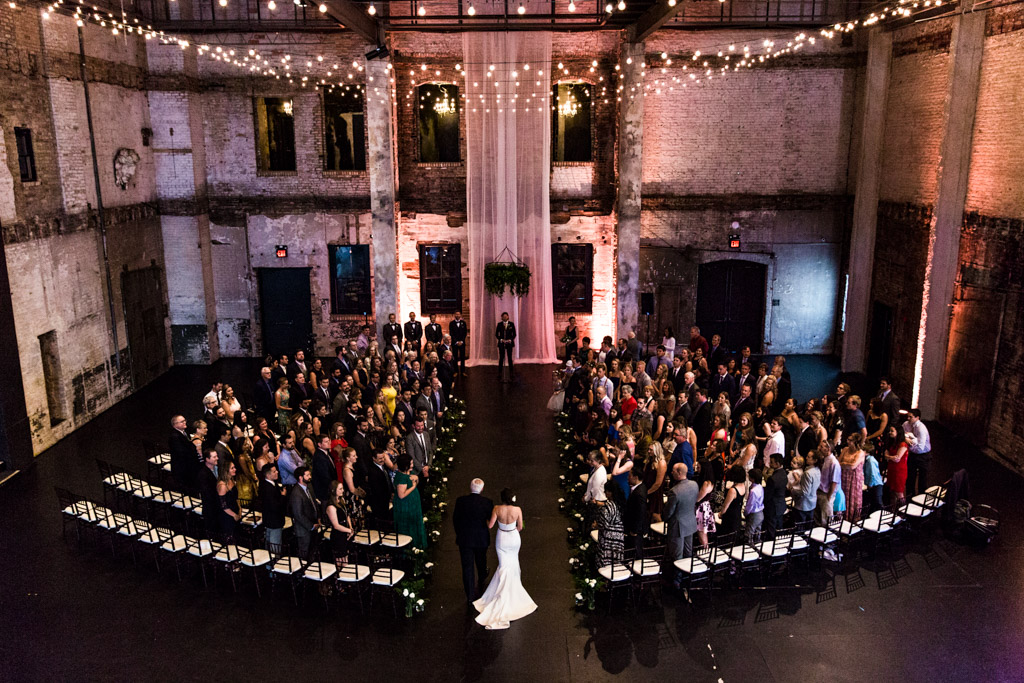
(446,371)
(505,333)
(680,515)
(470,516)
(358,440)
(391,329)
(300,391)
(324,395)
(744,404)
(433,332)
(282,370)
(635,521)
(677,374)
(716,353)
(184,465)
(405,403)
(414,332)
(372,389)
(458,331)
(890,401)
(297,365)
(208,494)
(701,419)
(341,361)
(807,438)
(746,376)
(420,447)
(323,469)
(263,396)
(303,509)
(379,489)
(775,496)
(722,382)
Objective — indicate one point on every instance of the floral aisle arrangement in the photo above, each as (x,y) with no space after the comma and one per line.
(582,562)
(413,591)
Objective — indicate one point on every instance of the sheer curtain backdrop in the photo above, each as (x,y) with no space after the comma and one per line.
(507,186)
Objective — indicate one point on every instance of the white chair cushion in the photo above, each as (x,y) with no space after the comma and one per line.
(166,467)
(353,573)
(185,502)
(799,543)
(204,548)
(287,565)
(367,537)
(691,565)
(164,496)
(743,553)
(136,527)
(646,567)
(227,553)
(395,540)
(771,549)
(160,459)
(116,478)
(320,571)
(260,557)
(875,525)
(915,510)
(252,518)
(594,535)
(382,577)
(820,534)
(113,520)
(658,528)
(614,572)
(174,545)
(153,535)
(924,498)
(716,556)
(849,528)
(88,512)
(144,490)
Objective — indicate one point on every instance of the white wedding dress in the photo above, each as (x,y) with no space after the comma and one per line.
(505,599)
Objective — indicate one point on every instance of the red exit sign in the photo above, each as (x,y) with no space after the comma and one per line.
(734,241)
(282,250)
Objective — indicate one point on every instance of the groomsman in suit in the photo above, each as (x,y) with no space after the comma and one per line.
(414,332)
(263,395)
(458,331)
(470,516)
(392,329)
(433,332)
(505,333)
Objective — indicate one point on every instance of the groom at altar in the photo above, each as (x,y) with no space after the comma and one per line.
(505,333)
(470,516)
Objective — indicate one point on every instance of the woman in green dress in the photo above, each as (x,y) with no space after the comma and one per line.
(408,509)
(284,410)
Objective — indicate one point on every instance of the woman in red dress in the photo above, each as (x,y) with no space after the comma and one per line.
(896,454)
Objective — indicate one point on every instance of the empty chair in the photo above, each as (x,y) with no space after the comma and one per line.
(255,559)
(319,573)
(351,579)
(284,567)
(383,580)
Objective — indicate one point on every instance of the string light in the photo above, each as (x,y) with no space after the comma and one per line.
(472,10)
(521,9)
(572,6)
(272,5)
(371,10)
(222,3)
(422,11)
(322,8)
(622,5)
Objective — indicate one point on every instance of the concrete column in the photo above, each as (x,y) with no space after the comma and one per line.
(382,191)
(965,52)
(631,141)
(865,207)
(7,210)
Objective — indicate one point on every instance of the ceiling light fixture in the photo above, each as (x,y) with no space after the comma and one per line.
(521,9)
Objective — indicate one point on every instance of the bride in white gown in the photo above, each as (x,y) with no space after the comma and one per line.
(505,599)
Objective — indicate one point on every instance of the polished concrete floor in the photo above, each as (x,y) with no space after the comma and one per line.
(942,612)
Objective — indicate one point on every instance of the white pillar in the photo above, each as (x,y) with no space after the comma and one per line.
(382,191)
(865,207)
(631,142)
(961,101)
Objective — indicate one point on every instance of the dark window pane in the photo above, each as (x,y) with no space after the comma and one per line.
(350,279)
(275,134)
(570,125)
(344,129)
(439,122)
(572,277)
(26,156)
(440,278)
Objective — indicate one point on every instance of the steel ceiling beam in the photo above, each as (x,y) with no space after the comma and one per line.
(656,16)
(354,17)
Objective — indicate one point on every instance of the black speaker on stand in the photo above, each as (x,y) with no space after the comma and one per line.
(647,308)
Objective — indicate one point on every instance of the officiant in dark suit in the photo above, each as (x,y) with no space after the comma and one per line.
(505,333)
(470,516)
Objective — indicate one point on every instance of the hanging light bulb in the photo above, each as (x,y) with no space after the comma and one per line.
(671,3)
(521,10)
(421,11)
(622,5)
(371,10)
(472,10)
(609,8)
(271,5)
(223,3)
(322,8)
(572,6)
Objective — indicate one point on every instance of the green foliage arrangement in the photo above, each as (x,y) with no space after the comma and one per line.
(514,276)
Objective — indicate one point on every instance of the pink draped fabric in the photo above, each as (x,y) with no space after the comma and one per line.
(507,186)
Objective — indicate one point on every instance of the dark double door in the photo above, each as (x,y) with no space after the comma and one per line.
(144,313)
(287,314)
(730,302)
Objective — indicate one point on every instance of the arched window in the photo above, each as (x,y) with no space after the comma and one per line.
(439,123)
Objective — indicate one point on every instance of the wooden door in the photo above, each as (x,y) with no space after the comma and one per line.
(967,381)
(144,313)
(730,302)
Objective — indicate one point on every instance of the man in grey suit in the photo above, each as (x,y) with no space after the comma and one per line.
(681,514)
(303,509)
(420,447)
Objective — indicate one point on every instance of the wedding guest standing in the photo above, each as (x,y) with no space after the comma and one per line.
(681,515)
(919,441)
(610,529)
(407,507)
(458,331)
(571,338)
(272,503)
